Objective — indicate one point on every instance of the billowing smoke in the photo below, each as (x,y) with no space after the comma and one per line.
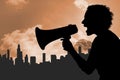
(18,4)
(25,38)
(84,44)
(29,44)
(82,4)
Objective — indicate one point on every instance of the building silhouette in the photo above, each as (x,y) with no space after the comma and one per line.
(83,55)
(32,60)
(26,59)
(19,58)
(44,57)
(53,59)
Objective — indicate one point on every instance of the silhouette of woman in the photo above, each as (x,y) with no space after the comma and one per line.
(104,52)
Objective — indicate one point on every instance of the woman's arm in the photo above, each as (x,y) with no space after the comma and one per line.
(87,66)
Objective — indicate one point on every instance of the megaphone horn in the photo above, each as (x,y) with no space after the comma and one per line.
(46,36)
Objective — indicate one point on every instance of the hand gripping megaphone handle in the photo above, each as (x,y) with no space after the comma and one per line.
(67,45)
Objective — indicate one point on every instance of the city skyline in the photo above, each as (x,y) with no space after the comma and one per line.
(23,70)
(20,59)
(20,17)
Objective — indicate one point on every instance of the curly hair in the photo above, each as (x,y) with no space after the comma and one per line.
(101,14)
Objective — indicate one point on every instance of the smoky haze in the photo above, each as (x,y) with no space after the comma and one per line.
(19,17)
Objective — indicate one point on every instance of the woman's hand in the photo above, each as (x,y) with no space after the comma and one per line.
(67,45)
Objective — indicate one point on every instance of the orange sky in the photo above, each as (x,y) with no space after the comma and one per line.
(18,19)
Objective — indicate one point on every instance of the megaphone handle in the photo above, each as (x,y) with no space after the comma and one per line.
(67,45)
(66,38)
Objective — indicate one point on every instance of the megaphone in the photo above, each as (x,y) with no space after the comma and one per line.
(44,37)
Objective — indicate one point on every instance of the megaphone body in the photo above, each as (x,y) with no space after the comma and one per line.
(44,37)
